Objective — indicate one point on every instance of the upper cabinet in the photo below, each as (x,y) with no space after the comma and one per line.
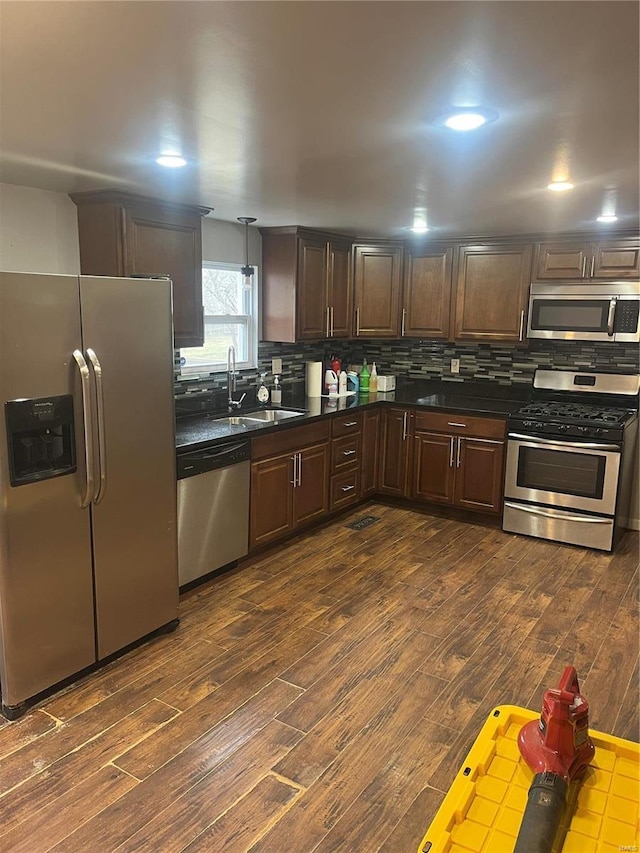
(606,259)
(377,284)
(426,304)
(491,292)
(306,285)
(127,235)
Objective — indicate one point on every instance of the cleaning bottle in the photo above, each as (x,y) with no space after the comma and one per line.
(276,394)
(342,383)
(364,378)
(263,391)
(373,379)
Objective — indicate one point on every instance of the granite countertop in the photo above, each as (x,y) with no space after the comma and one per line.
(196,431)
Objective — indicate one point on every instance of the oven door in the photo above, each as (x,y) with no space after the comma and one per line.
(583,317)
(579,476)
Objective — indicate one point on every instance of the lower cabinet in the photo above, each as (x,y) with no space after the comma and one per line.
(462,465)
(370,452)
(346,455)
(395,452)
(289,481)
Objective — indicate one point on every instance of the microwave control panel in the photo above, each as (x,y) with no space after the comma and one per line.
(627,315)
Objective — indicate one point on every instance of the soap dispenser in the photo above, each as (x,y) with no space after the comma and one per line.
(364,378)
(276,393)
(263,391)
(373,379)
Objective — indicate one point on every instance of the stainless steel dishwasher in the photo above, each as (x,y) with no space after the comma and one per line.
(213,508)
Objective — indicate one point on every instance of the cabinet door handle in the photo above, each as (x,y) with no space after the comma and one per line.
(328,333)
(295,469)
(453,423)
(458,454)
(299,455)
(452,442)
(348,452)
(584,266)
(521,332)
(404,316)
(332,321)
(348,488)
(404,427)
(357,322)
(593,265)
(350,424)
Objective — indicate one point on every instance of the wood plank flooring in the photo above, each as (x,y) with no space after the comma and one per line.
(322,696)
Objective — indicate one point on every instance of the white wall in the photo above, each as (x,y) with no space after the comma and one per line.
(38,231)
(225,242)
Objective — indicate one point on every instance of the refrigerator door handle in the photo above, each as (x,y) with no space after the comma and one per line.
(101,486)
(85,384)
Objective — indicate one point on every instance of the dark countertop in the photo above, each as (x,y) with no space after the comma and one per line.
(194,432)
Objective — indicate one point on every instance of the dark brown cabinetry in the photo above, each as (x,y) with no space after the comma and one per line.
(289,481)
(395,446)
(307,285)
(128,235)
(604,259)
(377,280)
(346,454)
(491,293)
(370,452)
(427,293)
(459,461)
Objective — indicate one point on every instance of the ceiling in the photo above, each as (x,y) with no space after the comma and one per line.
(321,113)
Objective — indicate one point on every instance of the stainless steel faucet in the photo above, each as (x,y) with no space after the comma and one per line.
(231,379)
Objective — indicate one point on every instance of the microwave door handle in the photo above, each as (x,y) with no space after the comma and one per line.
(101,486)
(85,384)
(612,316)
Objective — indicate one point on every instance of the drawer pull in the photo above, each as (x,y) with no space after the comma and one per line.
(347,488)
(348,452)
(453,423)
(350,424)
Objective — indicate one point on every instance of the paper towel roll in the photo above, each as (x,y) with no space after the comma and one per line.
(314,378)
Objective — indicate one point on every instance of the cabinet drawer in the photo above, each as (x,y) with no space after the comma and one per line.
(289,439)
(345,452)
(460,424)
(346,425)
(345,489)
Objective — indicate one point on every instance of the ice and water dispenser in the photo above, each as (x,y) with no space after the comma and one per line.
(40,438)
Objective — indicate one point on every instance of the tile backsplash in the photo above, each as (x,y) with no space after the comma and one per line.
(421,359)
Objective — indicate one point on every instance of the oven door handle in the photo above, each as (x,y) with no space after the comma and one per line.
(558,516)
(575,445)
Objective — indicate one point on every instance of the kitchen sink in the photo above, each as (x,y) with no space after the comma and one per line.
(265,416)
(272,415)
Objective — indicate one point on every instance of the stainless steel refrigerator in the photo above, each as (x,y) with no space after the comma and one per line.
(88,543)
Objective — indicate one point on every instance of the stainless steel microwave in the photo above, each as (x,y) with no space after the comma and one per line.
(582,311)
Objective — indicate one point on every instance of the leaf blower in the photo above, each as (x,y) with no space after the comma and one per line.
(558,749)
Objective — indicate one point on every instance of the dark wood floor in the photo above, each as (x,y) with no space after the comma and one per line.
(323,695)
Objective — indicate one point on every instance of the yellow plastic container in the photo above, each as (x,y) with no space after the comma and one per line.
(485,804)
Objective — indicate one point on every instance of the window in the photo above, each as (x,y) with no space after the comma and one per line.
(230,311)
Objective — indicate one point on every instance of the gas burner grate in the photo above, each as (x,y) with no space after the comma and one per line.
(363,522)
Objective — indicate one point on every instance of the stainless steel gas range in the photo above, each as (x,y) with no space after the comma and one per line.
(570,452)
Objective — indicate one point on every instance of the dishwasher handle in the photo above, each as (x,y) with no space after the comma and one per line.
(212,458)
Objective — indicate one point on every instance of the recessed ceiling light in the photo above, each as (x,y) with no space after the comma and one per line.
(171,161)
(607,217)
(467,119)
(418,229)
(560,186)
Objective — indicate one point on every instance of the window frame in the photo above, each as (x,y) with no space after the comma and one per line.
(249,320)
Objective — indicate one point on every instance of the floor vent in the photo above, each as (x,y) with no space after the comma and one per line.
(363,522)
